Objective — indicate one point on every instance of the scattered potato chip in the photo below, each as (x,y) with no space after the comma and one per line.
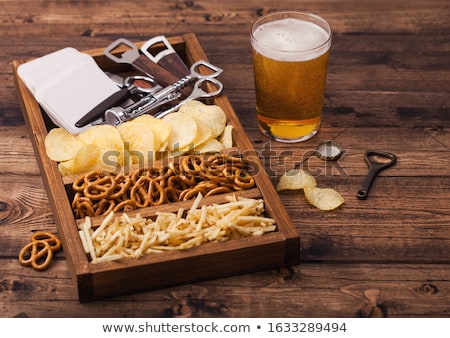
(296,179)
(226,138)
(210,146)
(212,116)
(184,131)
(323,198)
(60,145)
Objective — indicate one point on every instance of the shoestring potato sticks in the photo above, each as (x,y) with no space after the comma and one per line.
(124,236)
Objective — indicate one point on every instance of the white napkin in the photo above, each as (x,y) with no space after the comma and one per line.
(67,84)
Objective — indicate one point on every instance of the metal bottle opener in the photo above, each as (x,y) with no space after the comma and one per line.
(167,58)
(139,61)
(377,161)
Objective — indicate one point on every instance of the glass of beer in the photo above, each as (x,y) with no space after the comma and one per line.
(290,56)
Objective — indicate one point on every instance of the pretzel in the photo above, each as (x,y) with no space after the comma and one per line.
(97,193)
(126,205)
(172,194)
(36,254)
(100,188)
(83,206)
(180,182)
(147,191)
(39,252)
(51,239)
(79,184)
(103,207)
(175,167)
(243,179)
(207,185)
(191,193)
(155,173)
(123,182)
(192,164)
(218,190)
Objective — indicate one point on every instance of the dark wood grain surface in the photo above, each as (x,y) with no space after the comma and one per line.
(388,88)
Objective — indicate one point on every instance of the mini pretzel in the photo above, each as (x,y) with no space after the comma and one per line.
(155,173)
(191,193)
(192,164)
(172,194)
(36,254)
(218,190)
(39,252)
(82,206)
(123,182)
(180,182)
(51,239)
(225,160)
(207,185)
(79,184)
(98,192)
(175,168)
(103,207)
(125,206)
(100,188)
(243,179)
(147,192)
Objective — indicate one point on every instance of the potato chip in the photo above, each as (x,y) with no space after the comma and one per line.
(87,158)
(203,133)
(212,116)
(60,145)
(161,129)
(192,105)
(184,131)
(226,138)
(210,146)
(66,168)
(323,198)
(296,179)
(103,136)
(140,143)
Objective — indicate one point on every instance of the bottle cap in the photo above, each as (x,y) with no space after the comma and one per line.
(329,151)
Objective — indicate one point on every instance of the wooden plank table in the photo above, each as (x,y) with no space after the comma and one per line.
(388,88)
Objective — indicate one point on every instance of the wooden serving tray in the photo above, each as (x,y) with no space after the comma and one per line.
(208,261)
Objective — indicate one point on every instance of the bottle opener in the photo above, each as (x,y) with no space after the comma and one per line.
(167,58)
(377,161)
(139,61)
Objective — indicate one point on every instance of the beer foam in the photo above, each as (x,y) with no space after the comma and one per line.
(290,39)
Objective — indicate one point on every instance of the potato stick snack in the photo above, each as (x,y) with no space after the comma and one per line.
(124,236)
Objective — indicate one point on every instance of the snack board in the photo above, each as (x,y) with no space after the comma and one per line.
(207,261)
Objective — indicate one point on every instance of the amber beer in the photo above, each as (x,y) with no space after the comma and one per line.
(290,57)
